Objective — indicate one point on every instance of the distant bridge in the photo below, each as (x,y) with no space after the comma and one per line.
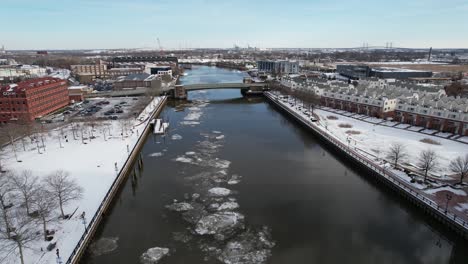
(180,91)
(203,86)
(184,89)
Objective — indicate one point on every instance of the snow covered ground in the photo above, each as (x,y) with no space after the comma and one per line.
(94,164)
(377,139)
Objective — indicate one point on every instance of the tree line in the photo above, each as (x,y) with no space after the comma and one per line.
(30,204)
(427,161)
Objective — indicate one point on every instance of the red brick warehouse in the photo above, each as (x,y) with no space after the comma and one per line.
(32,99)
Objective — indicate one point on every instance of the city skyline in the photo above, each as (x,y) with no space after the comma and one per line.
(210,24)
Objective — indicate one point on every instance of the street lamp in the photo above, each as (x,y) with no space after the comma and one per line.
(449,197)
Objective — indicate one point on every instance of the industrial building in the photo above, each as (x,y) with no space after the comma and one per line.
(32,99)
(361,71)
(351,71)
(396,73)
(158,70)
(134,81)
(278,67)
(88,73)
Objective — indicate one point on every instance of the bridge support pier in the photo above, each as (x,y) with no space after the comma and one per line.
(180,92)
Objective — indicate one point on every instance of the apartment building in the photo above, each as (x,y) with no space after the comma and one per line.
(278,67)
(442,113)
(406,102)
(88,72)
(32,99)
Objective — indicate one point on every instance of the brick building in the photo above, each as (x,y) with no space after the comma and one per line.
(32,99)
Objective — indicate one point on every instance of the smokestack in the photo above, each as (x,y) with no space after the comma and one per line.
(430,53)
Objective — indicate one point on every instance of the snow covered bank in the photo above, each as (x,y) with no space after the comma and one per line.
(93,158)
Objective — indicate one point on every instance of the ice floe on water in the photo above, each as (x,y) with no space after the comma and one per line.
(216,132)
(221,225)
(153,255)
(235,179)
(103,246)
(155,154)
(211,212)
(176,137)
(180,207)
(201,160)
(189,123)
(184,159)
(194,115)
(228,206)
(219,191)
(249,247)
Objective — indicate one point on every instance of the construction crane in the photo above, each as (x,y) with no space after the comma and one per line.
(161,51)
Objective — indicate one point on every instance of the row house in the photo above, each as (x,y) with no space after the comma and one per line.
(418,105)
(363,102)
(445,114)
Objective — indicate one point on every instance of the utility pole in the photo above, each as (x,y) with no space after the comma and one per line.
(161,51)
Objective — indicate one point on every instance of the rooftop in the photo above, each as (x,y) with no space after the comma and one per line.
(21,86)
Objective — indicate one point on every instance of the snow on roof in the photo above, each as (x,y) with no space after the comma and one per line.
(388,69)
(78,87)
(29,84)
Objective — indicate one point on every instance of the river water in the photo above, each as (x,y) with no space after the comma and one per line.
(258,189)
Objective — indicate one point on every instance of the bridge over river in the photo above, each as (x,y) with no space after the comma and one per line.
(180,91)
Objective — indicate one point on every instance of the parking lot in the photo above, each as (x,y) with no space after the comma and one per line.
(100,108)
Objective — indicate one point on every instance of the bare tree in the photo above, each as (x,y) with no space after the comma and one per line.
(2,155)
(12,132)
(427,161)
(45,204)
(460,166)
(20,236)
(63,188)
(74,128)
(6,195)
(124,126)
(26,185)
(396,152)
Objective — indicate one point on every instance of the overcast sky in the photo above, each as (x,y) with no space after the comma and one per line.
(100,24)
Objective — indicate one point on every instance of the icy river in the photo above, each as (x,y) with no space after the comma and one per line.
(236,181)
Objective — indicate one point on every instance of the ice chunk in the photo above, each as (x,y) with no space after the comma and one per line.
(180,207)
(183,159)
(219,191)
(222,225)
(228,206)
(176,137)
(103,246)
(153,255)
